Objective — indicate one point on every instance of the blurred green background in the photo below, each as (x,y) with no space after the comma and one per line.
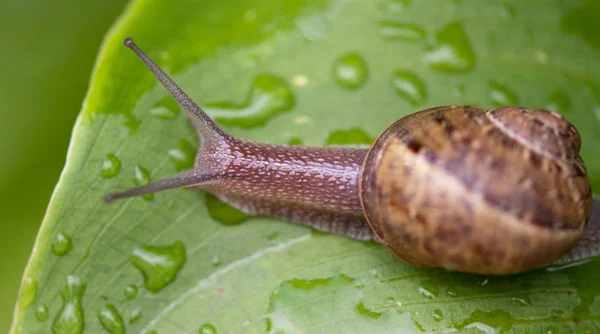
(47,56)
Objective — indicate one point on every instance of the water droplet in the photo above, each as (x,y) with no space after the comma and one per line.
(269,96)
(28,293)
(438,315)
(163,113)
(269,324)
(508,12)
(41,313)
(135,315)
(459,92)
(362,309)
(394,303)
(521,301)
(350,71)
(295,141)
(273,235)
(501,95)
(313,27)
(451,292)
(582,21)
(130,291)
(300,80)
(354,136)
(111,320)
(159,264)
(559,102)
(61,245)
(410,86)
(287,305)
(166,109)
(250,15)
(154,331)
(429,289)
(497,321)
(207,329)
(541,56)
(393,7)
(142,177)
(223,212)
(70,317)
(215,261)
(451,51)
(303,119)
(111,165)
(130,125)
(401,31)
(182,156)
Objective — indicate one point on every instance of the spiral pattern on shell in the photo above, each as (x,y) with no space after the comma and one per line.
(494,192)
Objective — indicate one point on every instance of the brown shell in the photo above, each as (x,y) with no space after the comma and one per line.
(495,192)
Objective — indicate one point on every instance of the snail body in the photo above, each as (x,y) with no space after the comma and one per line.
(456,187)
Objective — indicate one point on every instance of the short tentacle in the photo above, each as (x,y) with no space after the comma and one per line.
(189,178)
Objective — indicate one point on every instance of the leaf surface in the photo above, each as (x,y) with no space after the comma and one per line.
(324,72)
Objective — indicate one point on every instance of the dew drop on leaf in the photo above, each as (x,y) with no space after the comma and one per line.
(111,320)
(159,264)
(41,313)
(451,51)
(408,85)
(130,291)
(363,310)
(207,329)
(135,315)
(393,7)
(223,212)
(451,292)
(28,293)
(111,165)
(142,177)
(166,109)
(558,101)
(508,12)
(501,95)
(269,96)
(163,113)
(61,244)
(295,141)
(497,321)
(353,137)
(70,317)
(182,155)
(520,301)
(273,235)
(350,71)
(438,315)
(429,289)
(401,31)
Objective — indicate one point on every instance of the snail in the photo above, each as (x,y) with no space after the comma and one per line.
(487,192)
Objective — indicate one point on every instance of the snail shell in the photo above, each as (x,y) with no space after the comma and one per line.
(494,192)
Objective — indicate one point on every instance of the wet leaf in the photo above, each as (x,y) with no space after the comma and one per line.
(262,274)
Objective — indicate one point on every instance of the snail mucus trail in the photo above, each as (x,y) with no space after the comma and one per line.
(313,186)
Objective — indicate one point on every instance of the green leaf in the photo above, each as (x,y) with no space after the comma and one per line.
(175,263)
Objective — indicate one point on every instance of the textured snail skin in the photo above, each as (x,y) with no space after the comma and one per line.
(490,193)
(494,192)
